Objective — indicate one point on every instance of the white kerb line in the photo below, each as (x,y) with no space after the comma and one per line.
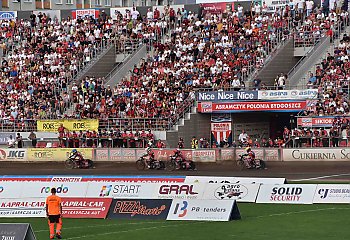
(322,177)
(131,230)
(100,226)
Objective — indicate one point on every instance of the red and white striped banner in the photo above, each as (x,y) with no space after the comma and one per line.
(221,130)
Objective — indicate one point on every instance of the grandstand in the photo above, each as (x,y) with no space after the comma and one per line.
(141,69)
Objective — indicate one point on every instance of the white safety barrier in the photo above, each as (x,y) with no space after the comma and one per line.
(287,193)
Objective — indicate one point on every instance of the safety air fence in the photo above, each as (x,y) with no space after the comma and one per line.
(197,155)
(157,197)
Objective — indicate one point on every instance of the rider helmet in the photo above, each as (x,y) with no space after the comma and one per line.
(74,151)
(247,149)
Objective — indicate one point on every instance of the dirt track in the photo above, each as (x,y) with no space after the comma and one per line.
(289,170)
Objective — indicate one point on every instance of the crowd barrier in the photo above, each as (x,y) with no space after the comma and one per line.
(197,155)
(112,199)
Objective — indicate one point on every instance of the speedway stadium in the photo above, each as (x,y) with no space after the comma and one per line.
(175,119)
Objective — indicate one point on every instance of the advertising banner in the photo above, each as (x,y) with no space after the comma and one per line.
(53,14)
(271,155)
(216,8)
(83,13)
(139,209)
(226,96)
(43,189)
(13,154)
(204,155)
(56,154)
(102,155)
(121,190)
(317,121)
(287,193)
(316,154)
(8,15)
(203,210)
(66,179)
(179,191)
(121,10)
(287,94)
(227,154)
(10,189)
(70,124)
(85,207)
(162,10)
(266,106)
(16,231)
(332,193)
(122,155)
(275,6)
(243,180)
(30,207)
(229,191)
(4,136)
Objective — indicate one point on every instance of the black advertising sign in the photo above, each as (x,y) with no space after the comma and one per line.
(16,231)
(139,208)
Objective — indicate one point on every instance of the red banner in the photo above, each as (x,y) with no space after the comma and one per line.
(85,207)
(278,106)
(216,8)
(317,122)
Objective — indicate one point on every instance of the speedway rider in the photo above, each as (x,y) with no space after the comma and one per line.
(250,157)
(149,153)
(179,157)
(77,156)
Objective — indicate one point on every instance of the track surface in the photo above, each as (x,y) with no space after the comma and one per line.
(290,170)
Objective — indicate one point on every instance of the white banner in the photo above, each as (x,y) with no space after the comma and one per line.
(332,193)
(53,14)
(287,94)
(316,154)
(64,189)
(121,10)
(204,156)
(179,191)
(30,207)
(274,6)
(13,154)
(201,210)
(287,193)
(245,180)
(229,191)
(125,190)
(10,189)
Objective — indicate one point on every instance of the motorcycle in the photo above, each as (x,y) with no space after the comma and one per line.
(142,162)
(175,163)
(242,163)
(71,163)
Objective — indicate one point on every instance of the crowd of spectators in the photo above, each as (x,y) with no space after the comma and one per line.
(35,75)
(210,51)
(332,79)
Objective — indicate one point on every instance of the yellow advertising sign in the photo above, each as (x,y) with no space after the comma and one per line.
(56,154)
(70,124)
